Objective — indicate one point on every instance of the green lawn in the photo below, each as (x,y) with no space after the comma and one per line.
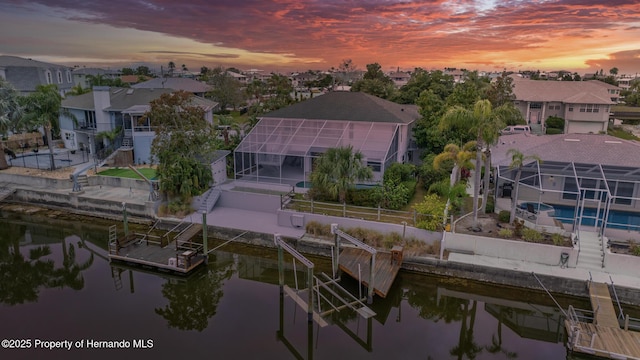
(622,134)
(149,173)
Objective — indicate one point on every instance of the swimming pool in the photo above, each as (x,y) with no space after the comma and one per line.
(617,219)
(307,185)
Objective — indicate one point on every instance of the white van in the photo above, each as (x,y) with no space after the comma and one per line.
(516,129)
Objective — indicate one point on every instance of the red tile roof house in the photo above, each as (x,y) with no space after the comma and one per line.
(584,105)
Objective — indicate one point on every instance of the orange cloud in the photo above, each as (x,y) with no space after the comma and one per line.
(574,34)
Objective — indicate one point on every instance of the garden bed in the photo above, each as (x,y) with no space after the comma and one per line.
(490,226)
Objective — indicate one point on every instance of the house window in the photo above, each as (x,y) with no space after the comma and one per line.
(551,107)
(374,165)
(59,77)
(557,107)
(570,108)
(68,76)
(49,79)
(590,108)
(535,105)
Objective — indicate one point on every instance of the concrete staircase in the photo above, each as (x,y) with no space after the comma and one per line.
(537,129)
(591,254)
(83,180)
(127,142)
(210,200)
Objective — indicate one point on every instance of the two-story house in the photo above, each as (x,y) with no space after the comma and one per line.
(106,109)
(82,76)
(26,74)
(281,148)
(584,105)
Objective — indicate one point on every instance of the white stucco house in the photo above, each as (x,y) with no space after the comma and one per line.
(105,109)
(584,105)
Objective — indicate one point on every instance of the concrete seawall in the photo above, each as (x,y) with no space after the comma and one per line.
(428,265)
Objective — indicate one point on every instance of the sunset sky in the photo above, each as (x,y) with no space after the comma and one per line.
(283,35)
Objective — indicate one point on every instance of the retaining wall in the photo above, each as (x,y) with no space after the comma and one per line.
(621,263)
(250,201)
(508,249)
(118,182)
(36,181)
(291,218)
(75,202)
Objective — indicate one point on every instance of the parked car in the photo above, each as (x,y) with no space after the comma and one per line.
(516,129)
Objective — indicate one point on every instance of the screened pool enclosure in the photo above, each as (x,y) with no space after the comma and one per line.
(282,150)
(602,198)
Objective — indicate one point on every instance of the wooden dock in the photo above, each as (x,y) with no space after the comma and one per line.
(603,338)
(385,271)
(602,305)
(180,256)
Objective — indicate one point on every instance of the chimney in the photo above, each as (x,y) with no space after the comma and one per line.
(101,101)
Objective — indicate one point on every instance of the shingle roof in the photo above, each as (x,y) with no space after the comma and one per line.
(123,99)
(348,106)
(579,148)
(189,85)
(574,92)
(6,60)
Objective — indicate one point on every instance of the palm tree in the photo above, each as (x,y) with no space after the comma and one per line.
(460,158)
(78,90)
(337,170)
(172,67)
(10,113)
(517,161)
(44,108)
(484,124)
(509,113)
(97,80)
(225,125)
(184,68)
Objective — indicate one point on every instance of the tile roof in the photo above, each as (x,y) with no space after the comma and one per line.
(575,92)
(578,148)
(348,106)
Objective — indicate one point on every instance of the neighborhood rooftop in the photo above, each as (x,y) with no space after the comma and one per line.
(349,106)
(578,148)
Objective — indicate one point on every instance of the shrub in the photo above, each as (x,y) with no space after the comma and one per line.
(317,229)
(634,249)
(554,131)
(491,206)
(518,226)
(503,216)
(531,235)
(505,233)
(557,239)
(554,122)
(431,210)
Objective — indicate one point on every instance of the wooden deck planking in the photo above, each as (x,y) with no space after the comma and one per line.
(385,271)
(609,342)
(138,252)
(189,233)
(603,305)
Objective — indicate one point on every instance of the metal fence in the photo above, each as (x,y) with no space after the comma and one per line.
(380,214)
(62,158)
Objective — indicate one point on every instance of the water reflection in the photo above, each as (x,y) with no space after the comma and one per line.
(194,301)
(23,276)
(236,296)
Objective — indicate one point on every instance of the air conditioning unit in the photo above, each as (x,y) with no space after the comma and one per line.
(297,221)
(173,262)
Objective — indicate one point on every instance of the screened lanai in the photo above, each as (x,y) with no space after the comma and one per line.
(602,198)
(281,150)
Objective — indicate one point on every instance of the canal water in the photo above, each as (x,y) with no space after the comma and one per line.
(57,285)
